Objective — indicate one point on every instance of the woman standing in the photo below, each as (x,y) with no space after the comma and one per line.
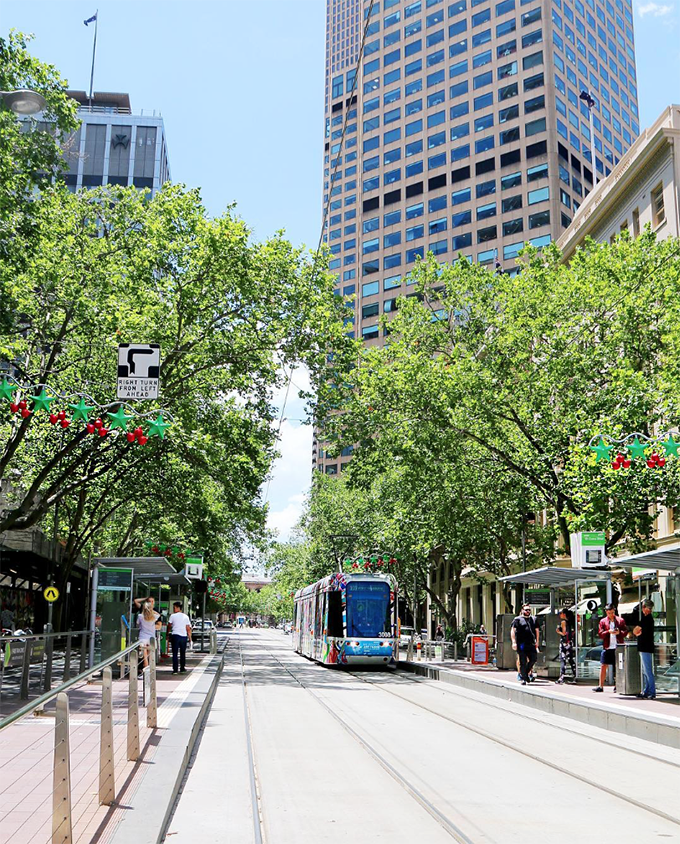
(148,623)
(565,630)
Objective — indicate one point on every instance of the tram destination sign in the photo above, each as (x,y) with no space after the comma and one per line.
(114,580)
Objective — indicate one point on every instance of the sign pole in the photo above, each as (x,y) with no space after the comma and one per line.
(203,625)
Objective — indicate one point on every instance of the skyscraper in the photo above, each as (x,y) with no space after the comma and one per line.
(468,133)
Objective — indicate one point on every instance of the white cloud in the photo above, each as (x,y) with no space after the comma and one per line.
(654,9)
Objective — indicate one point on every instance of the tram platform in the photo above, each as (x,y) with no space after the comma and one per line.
(654,720)
(27,748)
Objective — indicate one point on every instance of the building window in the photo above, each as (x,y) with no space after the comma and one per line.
(658,208)
(540,195)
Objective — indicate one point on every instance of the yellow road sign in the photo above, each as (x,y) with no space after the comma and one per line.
(51,593)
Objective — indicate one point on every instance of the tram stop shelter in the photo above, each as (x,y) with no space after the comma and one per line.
(555,579)
(112,592)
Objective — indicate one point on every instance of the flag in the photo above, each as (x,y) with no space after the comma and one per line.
(89,20)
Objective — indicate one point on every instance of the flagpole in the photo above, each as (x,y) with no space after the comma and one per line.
(94,51)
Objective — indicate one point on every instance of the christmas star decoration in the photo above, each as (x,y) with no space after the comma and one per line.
(636,448)
(602,450)
(158,428)
(119,419)
(81,410)
(670,446)
(42,401)
(6,389)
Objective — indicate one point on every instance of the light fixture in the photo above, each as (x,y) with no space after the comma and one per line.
(24,101)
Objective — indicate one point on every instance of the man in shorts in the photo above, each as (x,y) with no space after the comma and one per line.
(612,631)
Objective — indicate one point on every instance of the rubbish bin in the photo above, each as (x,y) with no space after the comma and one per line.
(628,674)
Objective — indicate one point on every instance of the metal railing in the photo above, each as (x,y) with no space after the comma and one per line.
(31,657)
(62,819)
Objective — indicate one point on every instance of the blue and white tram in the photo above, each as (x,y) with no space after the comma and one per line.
(348,619)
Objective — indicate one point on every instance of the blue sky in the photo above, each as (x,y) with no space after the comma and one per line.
(240,87)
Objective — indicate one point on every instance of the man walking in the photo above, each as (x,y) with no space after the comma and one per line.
(612,631)
(179,627)
(645,642)
(525,640)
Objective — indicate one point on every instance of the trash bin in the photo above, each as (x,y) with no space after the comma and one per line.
(628,674)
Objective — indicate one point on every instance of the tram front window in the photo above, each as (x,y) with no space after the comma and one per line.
(368,609)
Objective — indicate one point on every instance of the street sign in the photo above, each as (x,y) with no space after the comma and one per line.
(51,593)
(139,366)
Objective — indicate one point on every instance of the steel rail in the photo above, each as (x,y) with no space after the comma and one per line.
(255,796)
(446,823)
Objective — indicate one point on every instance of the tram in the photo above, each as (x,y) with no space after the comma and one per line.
(348,619)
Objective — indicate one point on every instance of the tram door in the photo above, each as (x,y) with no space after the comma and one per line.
(319,607)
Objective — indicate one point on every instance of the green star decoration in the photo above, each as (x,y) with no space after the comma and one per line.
(670,446)
(119,419)
(601,450)
(42,401)
(157,428)
(636,448)
(81,410)
(6,389)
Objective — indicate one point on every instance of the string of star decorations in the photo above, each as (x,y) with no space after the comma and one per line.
(137,426)
(370,563)
(634,447)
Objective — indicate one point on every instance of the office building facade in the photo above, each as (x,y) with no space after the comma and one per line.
(465,134)
(114,146)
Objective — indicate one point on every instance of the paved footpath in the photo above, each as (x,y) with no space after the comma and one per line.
(27,748)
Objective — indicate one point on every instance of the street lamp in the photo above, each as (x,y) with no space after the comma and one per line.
(23,101)
(589,100)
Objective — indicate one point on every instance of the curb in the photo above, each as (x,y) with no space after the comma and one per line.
(643,726)
(155,798)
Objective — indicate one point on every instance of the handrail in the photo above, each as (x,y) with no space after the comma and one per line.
(43,699)
(21,636)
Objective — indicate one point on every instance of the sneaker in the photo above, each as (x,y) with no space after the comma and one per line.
(182,671)
(651,697)
(524,682)
(598,689)
(519,677)
(175,672)
(641,696)
(559,681)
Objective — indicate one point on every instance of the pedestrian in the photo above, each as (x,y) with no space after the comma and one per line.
(439,634)
(612,631)
(525,640)
(148,623)
(179,627)
(565,630)
(645,642)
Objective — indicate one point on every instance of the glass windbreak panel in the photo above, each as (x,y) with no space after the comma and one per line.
(368,608)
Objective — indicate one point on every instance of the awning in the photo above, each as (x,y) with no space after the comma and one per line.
(666,558)
(148,569)
(554,576)
(627,608)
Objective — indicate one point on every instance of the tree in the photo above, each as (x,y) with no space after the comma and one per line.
(112,265)
(523,370)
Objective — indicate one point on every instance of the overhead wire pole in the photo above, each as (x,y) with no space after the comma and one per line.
(94,52)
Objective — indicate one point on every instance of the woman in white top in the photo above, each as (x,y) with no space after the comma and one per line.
(147,621)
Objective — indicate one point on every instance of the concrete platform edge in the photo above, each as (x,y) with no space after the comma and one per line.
(158,791)
(640,725)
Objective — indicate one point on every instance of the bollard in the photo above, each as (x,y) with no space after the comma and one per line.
(26,669)
(455,651)
(62,830)
(152,706)
(213,641)
(419,649)
(409,650)
(107,786)
(67,658)
(133,710)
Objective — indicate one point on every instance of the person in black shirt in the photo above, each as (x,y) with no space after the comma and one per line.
(645,642)
(525,640)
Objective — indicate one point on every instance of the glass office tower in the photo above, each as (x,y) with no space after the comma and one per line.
(466,135)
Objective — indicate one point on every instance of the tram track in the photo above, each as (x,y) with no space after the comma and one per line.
(535,757)
(405,776)
(455,832)
(255,793)
(455,692)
